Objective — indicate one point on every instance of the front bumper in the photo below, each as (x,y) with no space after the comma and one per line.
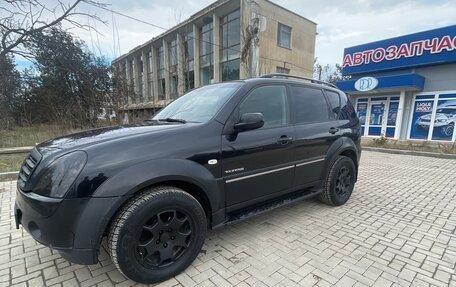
(74,227)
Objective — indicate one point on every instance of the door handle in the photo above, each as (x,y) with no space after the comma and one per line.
(333,130)
(283,140)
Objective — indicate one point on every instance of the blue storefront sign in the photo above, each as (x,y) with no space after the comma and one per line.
(425,48)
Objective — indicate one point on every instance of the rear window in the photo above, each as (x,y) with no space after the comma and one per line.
(309,105)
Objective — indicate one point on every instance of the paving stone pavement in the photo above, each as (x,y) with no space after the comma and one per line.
(398,229)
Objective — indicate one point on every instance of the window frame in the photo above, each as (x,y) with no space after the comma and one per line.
(326,93)
(279,25)
(293,112)
(237,112)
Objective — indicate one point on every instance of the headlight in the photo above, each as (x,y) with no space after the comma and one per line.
(60,175)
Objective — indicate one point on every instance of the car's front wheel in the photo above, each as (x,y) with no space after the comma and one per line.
(157,234)
(340,181)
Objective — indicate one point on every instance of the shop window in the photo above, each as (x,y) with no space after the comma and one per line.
(361,110)
(422,115)
(284,36)
(445,118)
(309,105)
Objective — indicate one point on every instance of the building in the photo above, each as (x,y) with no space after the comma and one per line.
(228,40)
(405,87)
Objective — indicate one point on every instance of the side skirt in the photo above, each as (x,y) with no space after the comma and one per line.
(260,208)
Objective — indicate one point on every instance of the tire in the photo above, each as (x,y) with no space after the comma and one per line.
(337,190)
(157,234)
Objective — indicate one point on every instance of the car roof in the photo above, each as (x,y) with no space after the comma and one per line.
(290,81)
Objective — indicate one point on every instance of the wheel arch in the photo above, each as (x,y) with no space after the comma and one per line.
(345,147)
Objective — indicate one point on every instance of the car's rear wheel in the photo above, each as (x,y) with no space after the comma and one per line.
(157,234)
(340,181)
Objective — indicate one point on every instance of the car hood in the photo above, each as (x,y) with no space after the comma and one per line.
(95,136)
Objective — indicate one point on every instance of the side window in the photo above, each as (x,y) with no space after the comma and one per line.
(334,103)
(271,101)
(347,111)
(309,105)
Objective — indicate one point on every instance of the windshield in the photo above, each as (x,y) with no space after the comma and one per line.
(199,105)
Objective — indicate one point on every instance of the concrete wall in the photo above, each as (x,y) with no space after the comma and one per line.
(300,58)
(438,78)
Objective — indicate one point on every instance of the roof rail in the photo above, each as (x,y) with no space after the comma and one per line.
(281,75)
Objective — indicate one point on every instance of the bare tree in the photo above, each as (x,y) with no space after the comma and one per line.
(21,20)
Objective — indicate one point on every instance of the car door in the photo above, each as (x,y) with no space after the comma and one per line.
(316,129)
(256,163)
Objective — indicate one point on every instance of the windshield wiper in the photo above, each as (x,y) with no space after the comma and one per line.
(172,120)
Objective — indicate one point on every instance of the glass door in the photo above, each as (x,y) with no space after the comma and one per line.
(377,118)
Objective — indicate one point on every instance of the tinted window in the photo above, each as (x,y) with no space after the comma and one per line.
(271,101)
(346,109)
(334,103)
(309,105)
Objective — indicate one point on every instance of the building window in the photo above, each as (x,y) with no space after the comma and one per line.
(283,70)
(230,46)
(141,80)
(172,52)
(161,74)
(173,87)
(206,54)
(284,36)
(189,74)
(150,76)
(133,80)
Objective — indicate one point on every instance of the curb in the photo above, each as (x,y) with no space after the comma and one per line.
(8,176)
(13,150)
(411,152)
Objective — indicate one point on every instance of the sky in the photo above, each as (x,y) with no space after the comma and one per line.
(341,23)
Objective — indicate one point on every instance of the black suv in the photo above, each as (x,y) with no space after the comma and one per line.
(216,155)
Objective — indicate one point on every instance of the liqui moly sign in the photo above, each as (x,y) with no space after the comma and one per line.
(420,49)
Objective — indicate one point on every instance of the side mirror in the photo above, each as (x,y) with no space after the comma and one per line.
(249,121)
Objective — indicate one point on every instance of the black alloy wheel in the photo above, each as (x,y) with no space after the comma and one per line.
(339,182)
(164,238)
(157,234)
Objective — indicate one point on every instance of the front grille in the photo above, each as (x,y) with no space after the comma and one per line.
(28,167)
